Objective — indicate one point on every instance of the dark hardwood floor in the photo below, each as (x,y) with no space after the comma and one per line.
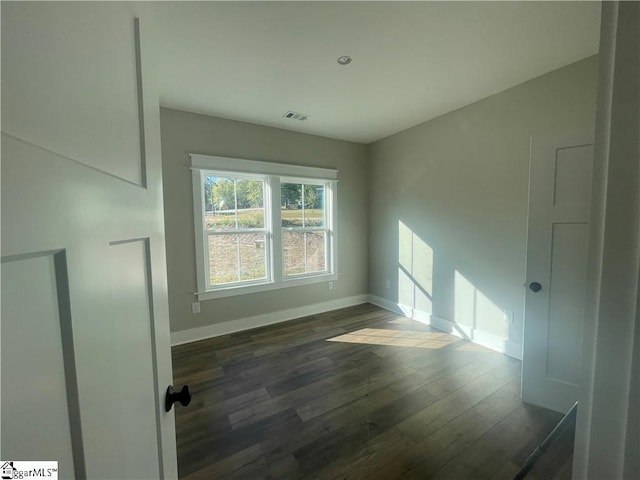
(356,393)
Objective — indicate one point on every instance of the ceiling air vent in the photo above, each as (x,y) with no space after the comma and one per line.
(296,116)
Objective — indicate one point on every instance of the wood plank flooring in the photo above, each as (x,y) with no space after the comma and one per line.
(356,393)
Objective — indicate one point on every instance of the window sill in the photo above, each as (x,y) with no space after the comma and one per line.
(265,287)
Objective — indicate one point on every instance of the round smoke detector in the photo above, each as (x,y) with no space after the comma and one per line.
(344,60)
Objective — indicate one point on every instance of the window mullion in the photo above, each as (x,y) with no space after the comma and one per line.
(235,201)
(238,261)
(235,232)
(275,214)
(304,223)
(304,239)
(305,229)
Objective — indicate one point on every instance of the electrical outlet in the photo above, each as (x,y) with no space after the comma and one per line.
(195,307)
(508,316)
(387,284)
(330,285)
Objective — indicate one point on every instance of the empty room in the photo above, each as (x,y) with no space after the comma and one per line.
(320,240)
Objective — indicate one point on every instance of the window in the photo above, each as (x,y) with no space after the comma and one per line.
(234,224)
(304,227)
(262,226)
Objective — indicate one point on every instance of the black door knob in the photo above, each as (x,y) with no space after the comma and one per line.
(535,287)
(183,396)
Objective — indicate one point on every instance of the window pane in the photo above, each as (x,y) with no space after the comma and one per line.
(223,259)
(290,201)
(220,220)
(291,218)
(233,203)
(313,205)
(250,200)
(291,195)
(304,252)
(316,251)
(219,203)
(302,205)
(234,258)
(253,265)
(293,252)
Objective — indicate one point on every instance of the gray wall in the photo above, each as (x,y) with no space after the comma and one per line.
(458,185)
(184,133)
(446,203)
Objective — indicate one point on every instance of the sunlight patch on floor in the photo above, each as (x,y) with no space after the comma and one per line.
(397,338)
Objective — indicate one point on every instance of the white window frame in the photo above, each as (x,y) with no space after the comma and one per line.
(273,173)
(325,228)
(238,231)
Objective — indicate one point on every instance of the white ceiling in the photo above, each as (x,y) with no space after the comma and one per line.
(412,61)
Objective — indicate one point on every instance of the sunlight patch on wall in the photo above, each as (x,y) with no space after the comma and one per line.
(473,308)
(406,289)
(415,270)
(465,301)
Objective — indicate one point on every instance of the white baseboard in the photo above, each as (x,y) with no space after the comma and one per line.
(389,305)
(232,326)
(401,309)
(489,340)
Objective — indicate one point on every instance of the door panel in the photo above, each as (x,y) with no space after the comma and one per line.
(559,205)
(133,395)
(50,66)
(572,177)
(566,300)
(83,200)
(35,394)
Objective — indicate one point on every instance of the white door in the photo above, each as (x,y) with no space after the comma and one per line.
(85,334)
(559,205)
